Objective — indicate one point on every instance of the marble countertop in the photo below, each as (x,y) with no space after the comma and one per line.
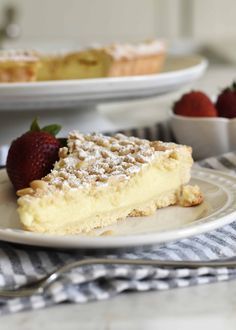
(208,306)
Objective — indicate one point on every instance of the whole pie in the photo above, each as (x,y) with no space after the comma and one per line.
(95,62)
(110,61)
(101,179)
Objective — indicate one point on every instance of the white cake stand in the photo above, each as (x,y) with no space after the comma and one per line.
(73,103)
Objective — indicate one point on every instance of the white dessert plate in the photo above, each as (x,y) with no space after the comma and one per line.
(178,72)
(171,223)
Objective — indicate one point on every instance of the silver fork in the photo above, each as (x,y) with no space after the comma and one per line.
(39,286)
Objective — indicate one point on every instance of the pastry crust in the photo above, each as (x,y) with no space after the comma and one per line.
(18,66)
(190,196)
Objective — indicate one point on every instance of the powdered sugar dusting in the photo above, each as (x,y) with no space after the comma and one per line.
(95,159)
(119,51)
(18,56)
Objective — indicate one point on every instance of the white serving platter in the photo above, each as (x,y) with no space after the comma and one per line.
(178,71)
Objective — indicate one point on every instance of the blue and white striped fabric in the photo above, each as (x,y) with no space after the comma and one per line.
(20,264)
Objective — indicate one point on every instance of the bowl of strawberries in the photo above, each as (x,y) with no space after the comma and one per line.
(208,127)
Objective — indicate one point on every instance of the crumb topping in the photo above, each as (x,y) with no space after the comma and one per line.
(93,159)
(119,51)
(190,196)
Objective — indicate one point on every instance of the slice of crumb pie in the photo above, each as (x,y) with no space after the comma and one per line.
(100,179)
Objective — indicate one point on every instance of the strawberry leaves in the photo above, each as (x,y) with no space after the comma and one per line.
(53,129)
(234,87)
(35,126)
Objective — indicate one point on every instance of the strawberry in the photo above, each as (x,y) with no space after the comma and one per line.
(32,155)
(226,102)
(195,104)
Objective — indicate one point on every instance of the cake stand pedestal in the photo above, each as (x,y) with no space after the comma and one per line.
(73,103)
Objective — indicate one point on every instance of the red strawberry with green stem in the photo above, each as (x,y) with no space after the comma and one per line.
(226,102)
(32,155)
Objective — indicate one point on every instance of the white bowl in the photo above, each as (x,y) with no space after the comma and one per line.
(208,136)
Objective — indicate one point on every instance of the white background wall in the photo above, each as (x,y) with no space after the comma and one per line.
(88,21)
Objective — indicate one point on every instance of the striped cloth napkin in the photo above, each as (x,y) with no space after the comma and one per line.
(20,265)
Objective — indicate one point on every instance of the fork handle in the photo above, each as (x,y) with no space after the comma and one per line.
(171,264)
(228,263)
(39,286)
